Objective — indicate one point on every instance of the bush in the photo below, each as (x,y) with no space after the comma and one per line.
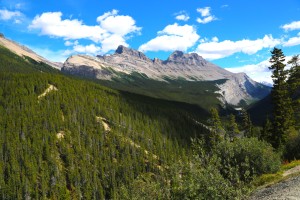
(292,148)
(201,178)
(249,157)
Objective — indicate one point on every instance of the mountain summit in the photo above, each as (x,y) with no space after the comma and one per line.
(187,59)
(184,66)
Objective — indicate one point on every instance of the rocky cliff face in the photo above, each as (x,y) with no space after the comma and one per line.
(190,67)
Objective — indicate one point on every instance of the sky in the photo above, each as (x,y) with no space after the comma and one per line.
(237,35)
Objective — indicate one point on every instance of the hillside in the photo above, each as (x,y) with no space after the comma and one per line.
(56,142)
(23,51)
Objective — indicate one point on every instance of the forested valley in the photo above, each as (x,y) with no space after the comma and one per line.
(66,138)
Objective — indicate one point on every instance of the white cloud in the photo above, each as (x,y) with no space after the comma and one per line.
(215,39)
(292,41)
(68,43)
(88,49)
(206,15)
(215,50)
(7,15)
(205,12)
(182,16)
(172,37)
(291,26)
(117,24)
(112,30)
(51,24)
(258,72)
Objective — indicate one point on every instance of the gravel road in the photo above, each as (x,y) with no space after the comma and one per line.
(288,189)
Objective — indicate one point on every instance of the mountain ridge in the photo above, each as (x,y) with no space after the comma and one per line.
(24,51)
(179,65)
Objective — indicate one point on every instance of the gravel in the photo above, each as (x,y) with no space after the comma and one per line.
(288,189)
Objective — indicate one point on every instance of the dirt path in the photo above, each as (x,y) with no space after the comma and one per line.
(49,89)
(287,189)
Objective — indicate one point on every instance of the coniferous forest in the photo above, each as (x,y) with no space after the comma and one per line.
(68,138)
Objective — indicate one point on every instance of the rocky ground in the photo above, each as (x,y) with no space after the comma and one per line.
(287,189)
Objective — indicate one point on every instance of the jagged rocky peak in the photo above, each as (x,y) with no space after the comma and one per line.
(189,58)
(130,52)
(157,60)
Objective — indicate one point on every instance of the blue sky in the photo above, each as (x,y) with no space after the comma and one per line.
(234,34)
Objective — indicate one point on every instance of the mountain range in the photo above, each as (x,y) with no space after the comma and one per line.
(231,88)
(182,77)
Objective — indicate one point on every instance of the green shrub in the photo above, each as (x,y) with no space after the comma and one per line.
(248,157)
(292,148)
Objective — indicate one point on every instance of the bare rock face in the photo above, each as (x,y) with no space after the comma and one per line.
(190,67)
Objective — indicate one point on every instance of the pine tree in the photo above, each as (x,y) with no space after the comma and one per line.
(266,133)
(282,112)
(217,131)
(233,129)
(294,85)
(246,124)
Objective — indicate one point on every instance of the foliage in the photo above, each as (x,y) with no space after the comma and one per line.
(294,86)
(292,148)
(282,112)
(232,128)
(217,132)
(249,157)
(247,126)
(225,172)
(56,147)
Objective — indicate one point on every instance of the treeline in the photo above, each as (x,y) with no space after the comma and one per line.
(283,125)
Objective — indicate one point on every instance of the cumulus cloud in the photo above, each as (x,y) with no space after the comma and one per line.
(117,24)
(51,23)
(258,72)
(206,16)
(182,16)
(292,42)
(215,50)
(8,15)
(291,26)
(112,29)
(88,49)
(172,37)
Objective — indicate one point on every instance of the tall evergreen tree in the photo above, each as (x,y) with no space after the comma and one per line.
(233,129)
(294,85)
(282,112)
(217,131)
(246,124)
(266,133)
